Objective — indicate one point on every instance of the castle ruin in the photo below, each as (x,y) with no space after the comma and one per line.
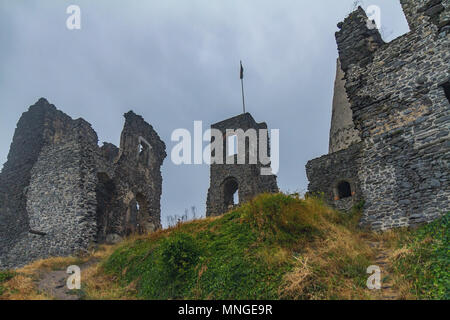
(389,146)
(245,179)
(60,192)
(389,137)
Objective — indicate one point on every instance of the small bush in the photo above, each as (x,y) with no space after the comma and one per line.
(179,255)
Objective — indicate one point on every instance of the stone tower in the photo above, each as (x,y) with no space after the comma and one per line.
(245,179)
(342,131)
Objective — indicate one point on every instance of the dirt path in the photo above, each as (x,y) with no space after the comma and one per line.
(54,283)
(387,291)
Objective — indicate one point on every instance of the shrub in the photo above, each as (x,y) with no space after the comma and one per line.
(179,254)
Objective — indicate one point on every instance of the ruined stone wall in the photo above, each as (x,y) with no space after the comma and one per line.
(50,155)
(32,133)
(399,98)
(325,174)
(401,110)
(137,179)
(246,178)
(60,192)
(60,201)
(420,12)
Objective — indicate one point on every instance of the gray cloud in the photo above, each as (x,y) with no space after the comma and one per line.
(174,62)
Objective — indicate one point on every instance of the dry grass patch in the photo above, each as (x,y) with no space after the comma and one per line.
(24,283)
(332,266)
(96,285)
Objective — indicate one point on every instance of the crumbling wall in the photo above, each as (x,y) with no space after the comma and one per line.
(61,200)
(60,192)
(400,108)
(246,178)
(356,42)
(327,172)
(135,184)
(420,12)
(56,181)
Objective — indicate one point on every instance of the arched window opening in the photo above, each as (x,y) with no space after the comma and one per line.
(105,194)
(231,192)
(143,153)
(344,190)
(144,149)
(106,182)
(142,214)
(236,197)
(232,145)
(213,150)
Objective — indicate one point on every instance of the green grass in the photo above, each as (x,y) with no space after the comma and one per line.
(276,246)
(427,263)
(244,254)
(5,276)
(219,261)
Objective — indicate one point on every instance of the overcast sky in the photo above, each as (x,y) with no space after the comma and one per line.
(176,61)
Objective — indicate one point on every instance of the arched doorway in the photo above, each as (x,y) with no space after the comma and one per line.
(344,190)
(231,192)
(106,197)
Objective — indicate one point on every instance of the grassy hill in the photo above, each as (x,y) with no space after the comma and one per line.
(276,246)
(257,251)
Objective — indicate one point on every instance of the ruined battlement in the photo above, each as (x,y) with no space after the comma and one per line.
(60,192)
(398,97)
(356,41)
(421,12)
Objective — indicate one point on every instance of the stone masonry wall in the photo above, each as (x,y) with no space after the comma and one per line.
(137,178)
(246,178)
(326,172)
(36,128)
(401,110)
(60,200)
(60,192)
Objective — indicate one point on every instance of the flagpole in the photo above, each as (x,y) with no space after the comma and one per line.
(243,99)
(242,87)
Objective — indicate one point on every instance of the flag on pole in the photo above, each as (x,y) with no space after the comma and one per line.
(242,72)
(242,86)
